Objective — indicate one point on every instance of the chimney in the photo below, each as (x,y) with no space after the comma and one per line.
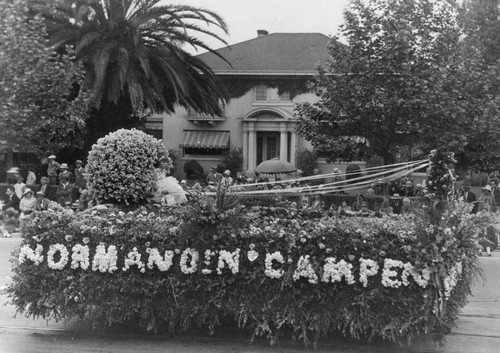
(262,32)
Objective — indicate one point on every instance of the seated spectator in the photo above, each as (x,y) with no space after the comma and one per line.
(184,186)
(408,189)
(27,206)
(317,203)
(344,206)
(44,186)
(68,209)
(385,208)
(197,186)
(357,205)
(42,203)
(406,208)
(12,201)
(304,202)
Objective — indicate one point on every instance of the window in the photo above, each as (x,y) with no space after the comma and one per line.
(261,93)
(158,134)
(205,151)
(268,94)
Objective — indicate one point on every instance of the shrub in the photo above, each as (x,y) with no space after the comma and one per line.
(233,160)
(121,166)
(306,161)
(352,171)
(193,170)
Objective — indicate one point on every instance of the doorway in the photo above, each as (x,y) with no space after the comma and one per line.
(268,145)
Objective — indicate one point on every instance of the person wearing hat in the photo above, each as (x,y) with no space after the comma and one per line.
(52,169)
(80,182)
(42,203)
(486,199)
(213,176)
(226,180)
(12,175)
(64,191)
(66,173)
(27,206)
(468,196)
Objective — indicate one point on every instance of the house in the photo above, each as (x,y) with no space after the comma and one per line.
(267,77)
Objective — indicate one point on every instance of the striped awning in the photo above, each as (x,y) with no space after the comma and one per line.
(205,139)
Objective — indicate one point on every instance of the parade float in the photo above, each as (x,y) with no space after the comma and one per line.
(269,270)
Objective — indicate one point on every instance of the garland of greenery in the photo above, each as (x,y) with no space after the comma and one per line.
(238,86)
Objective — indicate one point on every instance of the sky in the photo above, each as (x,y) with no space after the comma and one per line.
(245,17)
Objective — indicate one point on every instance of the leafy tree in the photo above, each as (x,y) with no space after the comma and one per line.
(40,107)
(401,80)
(133,49)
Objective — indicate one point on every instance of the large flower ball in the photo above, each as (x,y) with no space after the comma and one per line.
(121,166)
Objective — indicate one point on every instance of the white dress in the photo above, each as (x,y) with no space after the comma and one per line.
(171,185)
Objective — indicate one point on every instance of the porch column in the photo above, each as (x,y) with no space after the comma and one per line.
(245,149)
(283,144)
(293,147)
(252,149)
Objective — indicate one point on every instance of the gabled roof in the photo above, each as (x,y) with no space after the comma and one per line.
(272,54)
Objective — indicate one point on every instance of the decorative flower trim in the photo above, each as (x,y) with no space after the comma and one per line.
(208,261)
(367,268)
(105,261)
(334,271)
(163,263)
(134,258)
(422,279)
(232,259)
(64,256)
(33,255)
(388,274)
(305,269)
(80,255)
(451,280)
(193,264)
(269,271)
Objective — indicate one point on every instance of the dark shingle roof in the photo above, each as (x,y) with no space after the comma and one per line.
(275,53)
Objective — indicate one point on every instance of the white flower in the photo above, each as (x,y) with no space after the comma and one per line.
(451,280)
(105,261)
(334,271)
(422,279)
(193,263)
(305,269)
(63,259)
(155,258)
(80,257)
(208,260)
(30,254)
(367,268)
(388,275)
(252,255)
(133,258)
(232,259)
(269,271)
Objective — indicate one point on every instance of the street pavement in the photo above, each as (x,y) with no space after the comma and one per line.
(478,329)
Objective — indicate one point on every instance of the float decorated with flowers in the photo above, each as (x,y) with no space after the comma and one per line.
(269,269)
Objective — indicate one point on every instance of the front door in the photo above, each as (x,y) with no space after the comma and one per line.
(268,145)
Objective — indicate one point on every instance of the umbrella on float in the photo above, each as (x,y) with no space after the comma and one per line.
(275,166)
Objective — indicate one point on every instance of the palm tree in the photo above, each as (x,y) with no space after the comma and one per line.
(132,50)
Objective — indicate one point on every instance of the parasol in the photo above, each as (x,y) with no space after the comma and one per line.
(275,166)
